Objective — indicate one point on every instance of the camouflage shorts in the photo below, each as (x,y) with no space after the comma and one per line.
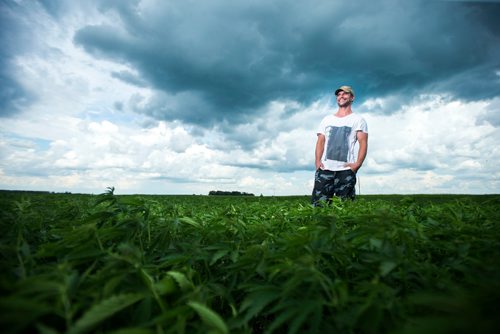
(333,183)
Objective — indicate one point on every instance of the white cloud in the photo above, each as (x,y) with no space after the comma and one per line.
(435,145)
(418,149)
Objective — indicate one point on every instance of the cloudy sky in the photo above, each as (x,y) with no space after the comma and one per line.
(184,97)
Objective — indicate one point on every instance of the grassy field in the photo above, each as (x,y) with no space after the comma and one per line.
(73,263)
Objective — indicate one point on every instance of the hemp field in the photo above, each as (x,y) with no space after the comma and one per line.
(111,263)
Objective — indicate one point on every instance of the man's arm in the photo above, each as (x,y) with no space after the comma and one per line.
(320,147)
(363,148)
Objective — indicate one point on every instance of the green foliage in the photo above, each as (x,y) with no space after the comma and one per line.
(215,264)
(210,318)
(102,311)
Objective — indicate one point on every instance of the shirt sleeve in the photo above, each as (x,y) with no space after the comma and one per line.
(321,127)
(361,125)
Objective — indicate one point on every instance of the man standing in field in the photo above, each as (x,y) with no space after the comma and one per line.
(336,162)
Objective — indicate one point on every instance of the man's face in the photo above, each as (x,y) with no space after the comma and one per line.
(344,99)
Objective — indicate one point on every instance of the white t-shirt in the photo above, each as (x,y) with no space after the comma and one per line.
(340,140)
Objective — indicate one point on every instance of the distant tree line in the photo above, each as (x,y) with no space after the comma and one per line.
(228,193)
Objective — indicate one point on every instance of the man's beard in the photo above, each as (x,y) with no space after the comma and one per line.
(344,104)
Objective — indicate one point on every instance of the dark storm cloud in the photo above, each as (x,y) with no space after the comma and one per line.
(53,7)
(224,60)
(215,61)
(13,97)
(13,40)
(129,78)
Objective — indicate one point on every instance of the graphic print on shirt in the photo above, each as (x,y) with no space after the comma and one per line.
(337,147)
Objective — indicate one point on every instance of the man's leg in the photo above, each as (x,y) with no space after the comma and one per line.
(323,187)
(345,184)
